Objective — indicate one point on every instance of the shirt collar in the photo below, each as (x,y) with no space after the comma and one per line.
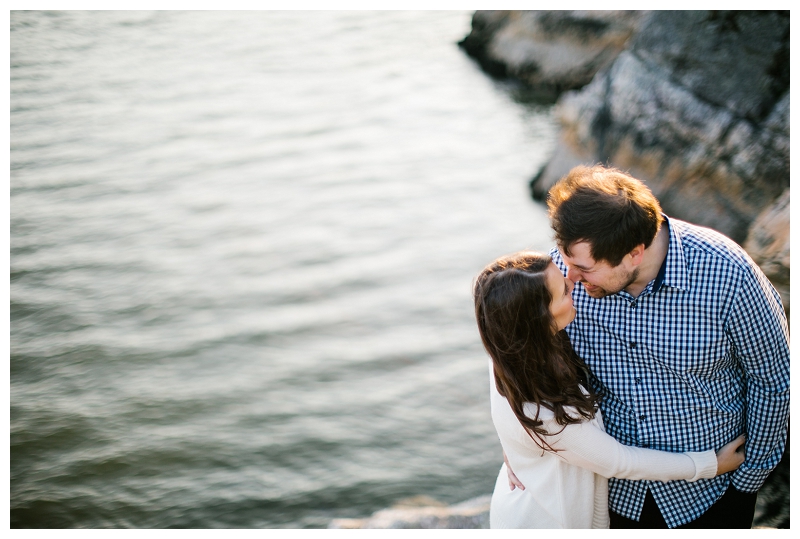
(673,271)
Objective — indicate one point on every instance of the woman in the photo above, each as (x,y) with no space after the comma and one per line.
(545,412)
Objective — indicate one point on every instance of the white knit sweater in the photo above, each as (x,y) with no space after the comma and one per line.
(570,489)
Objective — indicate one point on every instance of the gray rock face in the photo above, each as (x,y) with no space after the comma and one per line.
(550,51)
(698,108)
(732,59)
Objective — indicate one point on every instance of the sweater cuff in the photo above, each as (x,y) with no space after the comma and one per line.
(705,464)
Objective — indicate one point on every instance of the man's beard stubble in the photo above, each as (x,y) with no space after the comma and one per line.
(599,292)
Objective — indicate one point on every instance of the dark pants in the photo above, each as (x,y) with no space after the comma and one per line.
(734,509)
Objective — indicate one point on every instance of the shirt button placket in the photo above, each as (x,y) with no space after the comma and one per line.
(636,362)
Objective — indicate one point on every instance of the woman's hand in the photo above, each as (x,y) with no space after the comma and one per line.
(730,456)
(513,482)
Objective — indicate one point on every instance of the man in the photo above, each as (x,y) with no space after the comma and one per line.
(686,339)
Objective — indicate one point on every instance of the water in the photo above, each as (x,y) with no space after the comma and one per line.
(242,247)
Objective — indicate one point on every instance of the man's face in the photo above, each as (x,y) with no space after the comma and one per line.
(600,279)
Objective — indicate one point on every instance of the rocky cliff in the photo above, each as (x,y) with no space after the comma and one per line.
(694,103)
(550,51)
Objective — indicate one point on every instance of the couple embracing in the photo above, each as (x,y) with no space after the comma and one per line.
(639,371)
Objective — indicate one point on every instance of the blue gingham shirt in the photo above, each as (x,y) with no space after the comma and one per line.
(698,358)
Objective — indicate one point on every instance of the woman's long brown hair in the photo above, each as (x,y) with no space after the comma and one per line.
(533,361)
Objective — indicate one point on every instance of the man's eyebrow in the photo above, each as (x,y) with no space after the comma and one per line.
(584,268)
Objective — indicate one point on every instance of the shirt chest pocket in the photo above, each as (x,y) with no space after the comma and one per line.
(693,350)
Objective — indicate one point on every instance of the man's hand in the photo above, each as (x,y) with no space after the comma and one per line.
(513,482)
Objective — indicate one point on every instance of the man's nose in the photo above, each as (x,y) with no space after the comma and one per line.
(573,275)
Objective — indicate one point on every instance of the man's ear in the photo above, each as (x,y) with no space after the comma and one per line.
(637,254)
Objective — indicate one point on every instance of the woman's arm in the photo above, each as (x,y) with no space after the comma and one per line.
(728,459)
(588,446)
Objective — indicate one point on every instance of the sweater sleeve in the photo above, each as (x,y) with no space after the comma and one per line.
(588,446)
(600,518)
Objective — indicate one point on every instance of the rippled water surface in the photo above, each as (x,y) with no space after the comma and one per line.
(242,247)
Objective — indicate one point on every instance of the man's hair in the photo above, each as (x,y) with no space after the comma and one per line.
(610,210)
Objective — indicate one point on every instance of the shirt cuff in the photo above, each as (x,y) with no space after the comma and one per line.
(748,480)
(705,464)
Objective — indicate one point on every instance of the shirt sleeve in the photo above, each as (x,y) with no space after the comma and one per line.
(588,446)
(759,336)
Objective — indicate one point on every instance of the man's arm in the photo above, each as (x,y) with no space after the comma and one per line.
(760,338)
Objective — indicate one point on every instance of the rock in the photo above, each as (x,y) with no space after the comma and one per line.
(697,107)
(735,60)
(768,244)
(423,512)
(550,51)
(693,103)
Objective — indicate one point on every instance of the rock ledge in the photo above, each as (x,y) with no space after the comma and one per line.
(422,512)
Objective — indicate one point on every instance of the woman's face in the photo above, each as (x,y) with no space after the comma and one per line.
(561,289)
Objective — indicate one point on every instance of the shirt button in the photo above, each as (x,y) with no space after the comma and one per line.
(633,345)
(645,445)
(638,380)
(633,304)
(641,417)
